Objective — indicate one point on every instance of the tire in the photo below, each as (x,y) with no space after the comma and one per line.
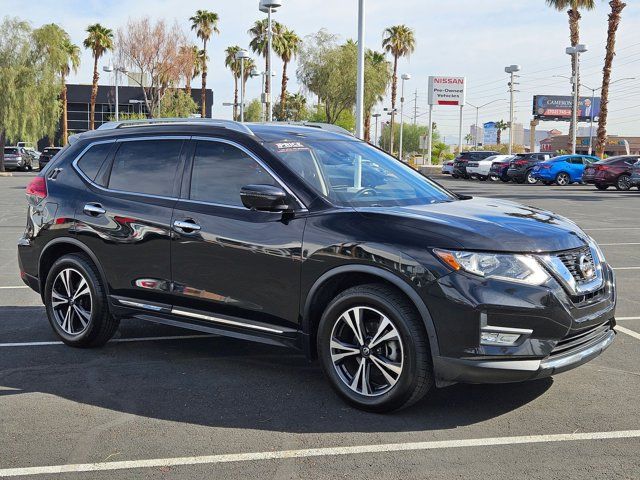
(85,322)
(520,180)
(494,178)
(409,348)
(623,183)
(563,179)
(601,186)
(530,179)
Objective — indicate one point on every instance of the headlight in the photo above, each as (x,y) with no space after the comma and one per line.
(594,246)
(513,268)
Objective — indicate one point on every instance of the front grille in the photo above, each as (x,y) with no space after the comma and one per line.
(588,298)
(578,340)
(571,260)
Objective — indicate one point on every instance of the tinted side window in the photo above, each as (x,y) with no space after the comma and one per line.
(219,172)
(92,159)
(146,166)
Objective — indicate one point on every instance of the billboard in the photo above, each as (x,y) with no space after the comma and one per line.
(490,136)
(447,90)
(558,107)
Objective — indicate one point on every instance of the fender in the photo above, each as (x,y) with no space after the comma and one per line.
(386,275)
(76,243)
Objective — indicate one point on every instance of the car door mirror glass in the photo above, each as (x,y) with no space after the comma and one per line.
(266,198)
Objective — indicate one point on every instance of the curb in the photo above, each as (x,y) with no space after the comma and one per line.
(6,174)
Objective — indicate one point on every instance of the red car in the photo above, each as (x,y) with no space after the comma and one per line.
(614,171)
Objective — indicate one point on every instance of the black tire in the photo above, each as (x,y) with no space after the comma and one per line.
(520,180)
(623,182)
(529,178)
(416,376)
(563,179)
(101,325)
(601,186)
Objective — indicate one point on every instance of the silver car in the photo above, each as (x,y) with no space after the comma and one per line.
(18,158)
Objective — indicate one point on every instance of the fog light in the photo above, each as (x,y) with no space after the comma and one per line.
(494,338)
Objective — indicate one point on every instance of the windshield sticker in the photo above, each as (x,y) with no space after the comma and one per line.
(290,146)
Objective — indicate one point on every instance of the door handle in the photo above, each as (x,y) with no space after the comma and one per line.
(186,226)
(94,209)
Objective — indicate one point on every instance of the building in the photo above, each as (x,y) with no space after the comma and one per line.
(476,132)
(518,134)
(540,135)
(615,145)
(130,99)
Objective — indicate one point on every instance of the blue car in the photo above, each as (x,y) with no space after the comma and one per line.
(562,170)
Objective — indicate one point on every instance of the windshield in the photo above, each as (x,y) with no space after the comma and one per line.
(353,173)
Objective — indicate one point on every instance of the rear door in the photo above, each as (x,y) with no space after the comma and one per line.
(124,216)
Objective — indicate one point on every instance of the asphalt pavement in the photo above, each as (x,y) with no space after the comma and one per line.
(166,403)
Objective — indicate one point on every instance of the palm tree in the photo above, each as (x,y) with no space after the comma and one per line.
(233,64)
(500,126)
(400,41)
(72,63)
(259,44)
(467,138)
(287,48)
(99,41)
(573,8)
(614,21)
(205,23)
(191,68)
(379,64)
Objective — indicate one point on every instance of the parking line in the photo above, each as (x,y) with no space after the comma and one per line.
(116,340)
(627,268)
(617,244)
(610,228)
(12,287)
(627,318)
(631,333)
(315,452)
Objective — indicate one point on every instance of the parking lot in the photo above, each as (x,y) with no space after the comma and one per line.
(159,402)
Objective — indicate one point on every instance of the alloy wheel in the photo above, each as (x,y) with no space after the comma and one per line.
(562,179)
(71,301)
(624,182)
(366,351)
(531,179)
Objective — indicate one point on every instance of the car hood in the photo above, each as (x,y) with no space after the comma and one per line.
(490,225)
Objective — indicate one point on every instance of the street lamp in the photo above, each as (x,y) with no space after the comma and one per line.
(477,117)
(392,112)
(268,6)
(575,51)
(242,55)
(375,138)
(404,77)
(117,71)
(511,70)
(360,72)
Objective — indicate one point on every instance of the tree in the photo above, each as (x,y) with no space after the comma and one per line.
(614,21)
(190,60)
(99,40)
(205,23)
(152,51)
(71,65)
(295,109)
(573,8)
(468,138)
(177,104)
(259,44)
(500,126)
(233,64)
(287,49)
(377,77)
(400,41)
(253,112)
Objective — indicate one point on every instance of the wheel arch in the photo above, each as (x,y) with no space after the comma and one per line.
(345,276)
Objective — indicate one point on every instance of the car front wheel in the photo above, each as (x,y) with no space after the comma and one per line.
(563,179)
(531,180)
(623,182)
(76,303)
(374,350)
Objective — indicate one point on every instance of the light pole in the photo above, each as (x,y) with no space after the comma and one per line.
(405,76)
(511,70)
(375,137)
(392,112)
(242,55)
(360,74)
(475,133)
(575,51)
(117,71)
(268,6)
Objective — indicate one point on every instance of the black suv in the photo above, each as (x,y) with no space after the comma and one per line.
(460,162)
(311,239)
(520,168)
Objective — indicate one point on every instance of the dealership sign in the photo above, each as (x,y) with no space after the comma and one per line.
(558,107)
(447,91)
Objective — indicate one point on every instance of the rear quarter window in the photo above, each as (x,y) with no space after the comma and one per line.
(91,160)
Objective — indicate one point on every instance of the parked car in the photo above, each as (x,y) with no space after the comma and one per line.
(447,168)
(635,175)
(30,149)
(18,158)
(613,171)
(481,169)
(460,162)
(498,170)
(239,230)
(521,166)
(47,154)
(562,170)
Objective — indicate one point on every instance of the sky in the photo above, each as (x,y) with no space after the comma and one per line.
(471,38)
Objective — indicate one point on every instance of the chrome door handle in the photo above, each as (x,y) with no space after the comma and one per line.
(186,226)
(94,209)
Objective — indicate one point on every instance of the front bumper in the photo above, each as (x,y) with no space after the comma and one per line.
(543,175)
(516,174)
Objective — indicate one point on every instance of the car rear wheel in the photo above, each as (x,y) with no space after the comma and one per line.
(374,350)
(76,303)
(601,186)
(530,179)
(494,178)
(563,179)
(623,182)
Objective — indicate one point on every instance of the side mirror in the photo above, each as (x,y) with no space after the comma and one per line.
(266,198)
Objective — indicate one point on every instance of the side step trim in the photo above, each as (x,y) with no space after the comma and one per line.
(224,321)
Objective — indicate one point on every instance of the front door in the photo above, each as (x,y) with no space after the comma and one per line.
(226,259)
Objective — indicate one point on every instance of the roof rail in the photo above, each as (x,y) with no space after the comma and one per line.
(329,127)
(230,124)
